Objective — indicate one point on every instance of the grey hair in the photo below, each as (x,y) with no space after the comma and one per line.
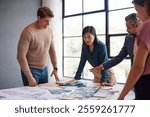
(133,19)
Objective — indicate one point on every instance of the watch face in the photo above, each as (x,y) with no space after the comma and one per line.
(55,69)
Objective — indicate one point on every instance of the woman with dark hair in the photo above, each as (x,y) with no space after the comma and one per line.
(139,76)
(93,51)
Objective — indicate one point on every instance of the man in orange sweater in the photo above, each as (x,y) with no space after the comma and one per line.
(34,48)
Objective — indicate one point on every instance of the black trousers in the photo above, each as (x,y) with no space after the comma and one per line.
(142,88)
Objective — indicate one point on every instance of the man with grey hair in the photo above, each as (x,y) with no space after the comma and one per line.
(132,24)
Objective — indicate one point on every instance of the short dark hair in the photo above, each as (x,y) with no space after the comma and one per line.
(132,18)
(45,12)
(91,30)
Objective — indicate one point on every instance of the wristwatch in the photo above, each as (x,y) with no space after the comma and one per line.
(55,68)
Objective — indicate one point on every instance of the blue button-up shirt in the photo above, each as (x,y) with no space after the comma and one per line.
(95,58)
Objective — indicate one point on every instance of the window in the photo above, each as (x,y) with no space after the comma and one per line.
(73,26)
(116,34)
(110,27)
(72,7)
(119,4)
(117,20)
(93,5)
(116,43)
(97,20)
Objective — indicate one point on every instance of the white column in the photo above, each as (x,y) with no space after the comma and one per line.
(56,7)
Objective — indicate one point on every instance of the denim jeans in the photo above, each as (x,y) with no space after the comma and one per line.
(40,75)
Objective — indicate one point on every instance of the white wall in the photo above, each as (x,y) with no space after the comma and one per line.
(56,7)
(14,16)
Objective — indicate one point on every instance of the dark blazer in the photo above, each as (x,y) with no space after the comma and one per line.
(127,49)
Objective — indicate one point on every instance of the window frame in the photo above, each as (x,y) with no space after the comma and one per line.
(107,35)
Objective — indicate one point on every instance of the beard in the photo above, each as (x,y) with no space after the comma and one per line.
(133,34)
